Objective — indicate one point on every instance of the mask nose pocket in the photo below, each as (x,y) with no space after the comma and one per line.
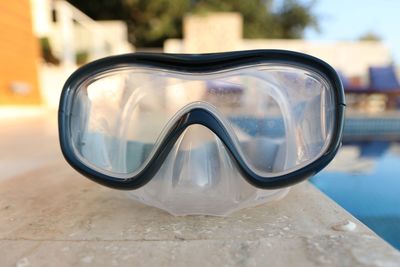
(200,170)
(199,165)
(197,159)
(262,152)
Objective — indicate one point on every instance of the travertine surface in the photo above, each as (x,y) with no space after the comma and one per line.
(52,216)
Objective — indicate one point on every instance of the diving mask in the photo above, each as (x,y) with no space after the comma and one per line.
(202,134)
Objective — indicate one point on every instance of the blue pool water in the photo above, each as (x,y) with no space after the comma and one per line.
(369,191)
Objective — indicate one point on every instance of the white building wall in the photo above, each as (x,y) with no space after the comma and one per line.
(351,57)
(41,14)
(216,32)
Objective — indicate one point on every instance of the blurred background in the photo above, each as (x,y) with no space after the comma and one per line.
(43,41)
(53,38)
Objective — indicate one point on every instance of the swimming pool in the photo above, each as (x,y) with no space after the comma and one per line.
(364,179)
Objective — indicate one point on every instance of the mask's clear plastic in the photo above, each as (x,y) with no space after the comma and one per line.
(280,117)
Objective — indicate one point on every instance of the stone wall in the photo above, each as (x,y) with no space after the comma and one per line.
(212,32)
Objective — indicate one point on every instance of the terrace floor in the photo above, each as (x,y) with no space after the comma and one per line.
(51,215)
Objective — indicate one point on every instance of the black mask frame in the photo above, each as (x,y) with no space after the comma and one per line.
(200,63)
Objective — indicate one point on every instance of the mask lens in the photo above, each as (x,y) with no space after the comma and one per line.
(279,116)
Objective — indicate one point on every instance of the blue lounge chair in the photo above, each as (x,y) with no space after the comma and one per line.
(230,93)
(220,87)
(383,78)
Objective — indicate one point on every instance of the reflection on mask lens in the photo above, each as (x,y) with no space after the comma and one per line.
(281,117)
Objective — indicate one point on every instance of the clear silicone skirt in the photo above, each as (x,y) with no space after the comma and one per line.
(185,130)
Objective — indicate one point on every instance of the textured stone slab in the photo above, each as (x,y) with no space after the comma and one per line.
(52,216)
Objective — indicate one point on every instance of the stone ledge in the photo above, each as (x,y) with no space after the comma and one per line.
(51,215)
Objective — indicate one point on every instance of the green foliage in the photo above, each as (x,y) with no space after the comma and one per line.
(151,22)
(293,18)
(82,57)
(370,36)
(154,21)
(47,52)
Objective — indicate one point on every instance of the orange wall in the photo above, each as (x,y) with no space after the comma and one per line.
(19,52)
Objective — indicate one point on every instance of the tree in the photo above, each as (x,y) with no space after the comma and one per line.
(370,36)
(151,22)
(293,18)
